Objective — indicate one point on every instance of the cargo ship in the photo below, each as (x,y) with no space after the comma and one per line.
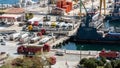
(93,30)
(94,34)
(114,13)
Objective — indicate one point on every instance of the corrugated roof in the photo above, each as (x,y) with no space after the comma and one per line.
(15,11)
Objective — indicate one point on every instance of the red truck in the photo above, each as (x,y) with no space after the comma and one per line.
(109,54)
(32,49)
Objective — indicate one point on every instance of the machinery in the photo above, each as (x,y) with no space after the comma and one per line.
(31,50)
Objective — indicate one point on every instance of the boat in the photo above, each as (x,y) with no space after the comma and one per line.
(92,34)
(87,34)
(114,13)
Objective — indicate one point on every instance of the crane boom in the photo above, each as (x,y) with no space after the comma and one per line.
(104,4)
(81,3)
(87,15)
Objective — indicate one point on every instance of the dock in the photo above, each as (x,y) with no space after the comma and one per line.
(55,42)
(78,52)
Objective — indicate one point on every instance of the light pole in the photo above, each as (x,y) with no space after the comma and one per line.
(80,51)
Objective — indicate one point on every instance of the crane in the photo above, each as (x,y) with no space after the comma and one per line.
(104,4)
(87,14)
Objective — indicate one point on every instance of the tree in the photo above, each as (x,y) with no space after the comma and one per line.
(108,65)
(82,61)
(27,63)
(90,64)
(93,59)
(37,63)
(118,64)
(113,63)
(103,59)
(28,16)
(100,63)
(17,62)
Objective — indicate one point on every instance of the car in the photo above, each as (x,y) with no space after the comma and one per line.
(59,53)
(2,42)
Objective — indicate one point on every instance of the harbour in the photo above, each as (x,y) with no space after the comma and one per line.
(96,47)
(51,31)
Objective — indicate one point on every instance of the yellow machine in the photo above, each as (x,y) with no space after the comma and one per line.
(30,27)
(104,4)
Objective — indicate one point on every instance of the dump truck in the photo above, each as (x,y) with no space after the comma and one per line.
(32,49)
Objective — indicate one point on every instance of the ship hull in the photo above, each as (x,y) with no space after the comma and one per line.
(95,41)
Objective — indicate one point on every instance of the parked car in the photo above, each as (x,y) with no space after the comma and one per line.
(2,42)
(59,53)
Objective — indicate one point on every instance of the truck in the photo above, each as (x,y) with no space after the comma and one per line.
(32,49)
(109,54)
(24,40)
(22,36)
(14,36)
(35,39)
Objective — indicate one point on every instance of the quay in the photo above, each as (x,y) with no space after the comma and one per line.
(55,42)
(78,52)
(51,34)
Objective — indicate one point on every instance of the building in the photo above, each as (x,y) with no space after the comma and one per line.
(13,15)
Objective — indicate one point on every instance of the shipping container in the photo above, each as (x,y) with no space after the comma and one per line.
(66,8)
(63,3)
(59,4)
(71,5)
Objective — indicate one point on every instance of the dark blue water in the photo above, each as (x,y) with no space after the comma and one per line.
(74,46)
(11,1)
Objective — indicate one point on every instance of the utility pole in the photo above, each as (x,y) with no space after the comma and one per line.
(80,51)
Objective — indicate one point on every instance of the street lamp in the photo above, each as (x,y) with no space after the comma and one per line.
(80,51)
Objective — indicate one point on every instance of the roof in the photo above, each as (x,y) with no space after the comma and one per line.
(15,11)
(10,15)
(2,10)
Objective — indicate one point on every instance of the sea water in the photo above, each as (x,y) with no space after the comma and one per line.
(12,1)
(75,46)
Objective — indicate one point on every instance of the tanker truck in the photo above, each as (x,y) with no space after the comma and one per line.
(14,36)
(35,39)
